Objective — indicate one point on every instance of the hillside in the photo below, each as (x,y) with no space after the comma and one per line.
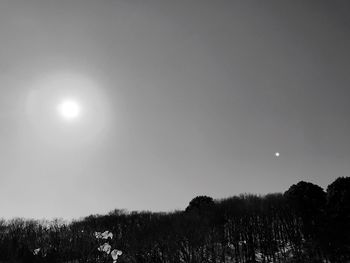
(304,224)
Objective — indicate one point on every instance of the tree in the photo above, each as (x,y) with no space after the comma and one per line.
(200,204)
(338,214)
(307,199)
(338,198)
(308,202)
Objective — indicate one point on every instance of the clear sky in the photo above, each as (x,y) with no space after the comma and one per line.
(175,99)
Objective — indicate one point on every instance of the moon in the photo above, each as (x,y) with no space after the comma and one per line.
(69,109)
(277,154)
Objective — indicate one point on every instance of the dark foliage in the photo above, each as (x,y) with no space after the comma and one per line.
(200,203)
(308,201)
(338,219)
(304,224)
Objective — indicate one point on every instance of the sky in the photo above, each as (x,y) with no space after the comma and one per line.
(175,98)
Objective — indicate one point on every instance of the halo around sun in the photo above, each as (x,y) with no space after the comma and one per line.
(58,100)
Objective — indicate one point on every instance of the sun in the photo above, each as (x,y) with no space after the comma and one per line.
(69,109)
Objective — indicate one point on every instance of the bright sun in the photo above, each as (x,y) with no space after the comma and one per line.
(69,109)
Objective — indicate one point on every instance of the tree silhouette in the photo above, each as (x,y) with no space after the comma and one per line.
(200,203)
(297,226)
(308,200)
(338,214)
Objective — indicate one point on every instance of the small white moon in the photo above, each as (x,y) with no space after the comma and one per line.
(277,154)
(69,109)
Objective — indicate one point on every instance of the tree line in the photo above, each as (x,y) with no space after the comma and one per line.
(303,224)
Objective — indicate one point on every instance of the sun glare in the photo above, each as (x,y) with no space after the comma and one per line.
(69,109)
